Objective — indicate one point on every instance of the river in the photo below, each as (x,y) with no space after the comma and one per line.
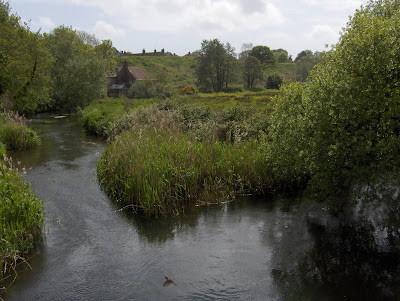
(251,249)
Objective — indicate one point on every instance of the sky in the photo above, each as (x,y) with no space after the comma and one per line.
(179,26)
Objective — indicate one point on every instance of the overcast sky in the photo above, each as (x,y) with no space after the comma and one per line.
(179,26)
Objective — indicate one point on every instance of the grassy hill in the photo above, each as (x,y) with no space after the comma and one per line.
(172,70)
(177,71)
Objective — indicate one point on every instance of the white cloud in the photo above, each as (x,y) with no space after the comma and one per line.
(336,5)
(46,22)
(323,33)
(200,16)
(105,30)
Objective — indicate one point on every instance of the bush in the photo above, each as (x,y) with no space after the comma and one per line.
(147,89)
(188,90)
(274,81)
(343,129)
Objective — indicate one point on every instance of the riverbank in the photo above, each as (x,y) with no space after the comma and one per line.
(21,212)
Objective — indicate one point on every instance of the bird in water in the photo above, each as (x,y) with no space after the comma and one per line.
(168,281)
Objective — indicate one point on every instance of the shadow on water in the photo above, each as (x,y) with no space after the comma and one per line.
(349,260)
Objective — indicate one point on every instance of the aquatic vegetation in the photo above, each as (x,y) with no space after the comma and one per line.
(21,217)
(15,133)
(161,171)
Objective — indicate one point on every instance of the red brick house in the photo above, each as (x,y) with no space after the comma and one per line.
(122,79)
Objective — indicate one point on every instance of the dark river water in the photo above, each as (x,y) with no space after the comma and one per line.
(246,250)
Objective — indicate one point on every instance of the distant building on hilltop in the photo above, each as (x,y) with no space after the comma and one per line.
(123,77)
(144,53)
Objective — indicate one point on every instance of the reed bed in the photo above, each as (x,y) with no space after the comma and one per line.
(161,170)
(15,133)
(21,218)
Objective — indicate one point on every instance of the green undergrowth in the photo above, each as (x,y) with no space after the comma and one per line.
(21,218)
(100,114)
(15,133)
(201,112)
(160,171)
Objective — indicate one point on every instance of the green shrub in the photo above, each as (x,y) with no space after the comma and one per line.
(342,129)
(147,89)
(274,81)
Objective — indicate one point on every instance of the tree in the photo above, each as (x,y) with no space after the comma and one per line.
(246,47)
(230,65)
(251,71)
(306,63)
(79,72)
(343,127)
(302,54)
(25,63)
(106,51)
(263,54)
(216,62)
(281,55)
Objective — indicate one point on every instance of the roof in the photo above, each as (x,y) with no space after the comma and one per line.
(140,74)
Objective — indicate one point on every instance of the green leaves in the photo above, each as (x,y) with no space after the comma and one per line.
(215,65)
(345,121)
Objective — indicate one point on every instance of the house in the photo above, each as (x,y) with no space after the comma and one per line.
(123,78)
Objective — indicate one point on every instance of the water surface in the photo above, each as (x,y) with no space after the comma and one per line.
(247,250)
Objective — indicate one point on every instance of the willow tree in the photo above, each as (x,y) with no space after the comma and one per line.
(79,71)
(343,127)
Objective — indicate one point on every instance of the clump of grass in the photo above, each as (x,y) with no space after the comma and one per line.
(161,171)
(15,133)
(21,218)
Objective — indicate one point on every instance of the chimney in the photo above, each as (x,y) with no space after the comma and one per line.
(125,64)
(155,50)
(162,50)
(143,51)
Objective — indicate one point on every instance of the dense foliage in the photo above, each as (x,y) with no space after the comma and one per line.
(274,81)
(25,65)
(216,64)
(343,127)
(264,55)
(57,70)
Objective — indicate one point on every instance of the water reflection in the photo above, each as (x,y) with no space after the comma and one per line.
(345,262)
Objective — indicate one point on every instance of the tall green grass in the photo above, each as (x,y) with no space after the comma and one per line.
(15,133)
(159,171)
(21,218)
